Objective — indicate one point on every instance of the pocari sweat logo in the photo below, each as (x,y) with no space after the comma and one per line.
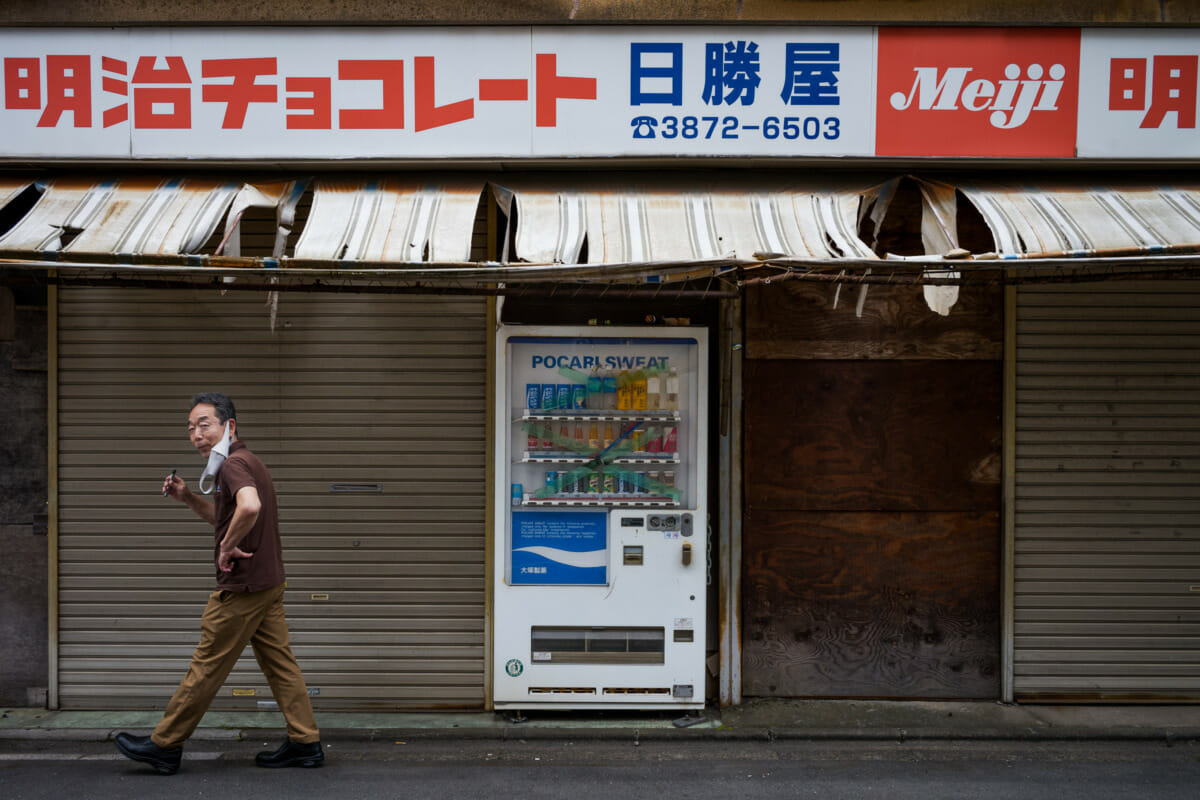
(584,363)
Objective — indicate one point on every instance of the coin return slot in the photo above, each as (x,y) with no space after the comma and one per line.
(633,554)
(685,636)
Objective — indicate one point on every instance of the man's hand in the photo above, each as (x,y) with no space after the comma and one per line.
(225,558)
(175,487)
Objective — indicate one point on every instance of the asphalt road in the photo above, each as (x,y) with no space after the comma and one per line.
(620,770)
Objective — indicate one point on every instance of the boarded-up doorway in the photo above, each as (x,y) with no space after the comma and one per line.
(871,543)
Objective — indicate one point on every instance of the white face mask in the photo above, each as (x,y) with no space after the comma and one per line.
(216,457)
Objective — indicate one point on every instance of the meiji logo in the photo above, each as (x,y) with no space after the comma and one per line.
(977,92)
(1011,100)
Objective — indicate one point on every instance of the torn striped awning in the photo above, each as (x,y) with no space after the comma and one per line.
(656,219)
(428,230)
(1058,219)
(351,220)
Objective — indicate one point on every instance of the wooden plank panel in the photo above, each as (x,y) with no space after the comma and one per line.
(796,320)
(871,604)
(873,435)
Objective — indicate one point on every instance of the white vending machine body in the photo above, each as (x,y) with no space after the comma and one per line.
(601,542)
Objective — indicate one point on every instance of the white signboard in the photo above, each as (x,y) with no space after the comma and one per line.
(424,93)
(1137,94)
(280,94)
(714,92)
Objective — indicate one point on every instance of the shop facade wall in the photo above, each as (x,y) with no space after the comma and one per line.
(872,528)
(494,12)
(23,598)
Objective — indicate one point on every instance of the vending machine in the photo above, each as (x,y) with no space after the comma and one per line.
(601,550)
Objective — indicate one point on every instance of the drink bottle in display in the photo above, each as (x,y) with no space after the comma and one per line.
(608,435)
(595,390)
(654,441)
(578,395)
(594,437)
(670,439)
(609,384)
(533,399)
(563,400)
(637,383)
(549,403)
(672,394)
(653,392)
(624,391)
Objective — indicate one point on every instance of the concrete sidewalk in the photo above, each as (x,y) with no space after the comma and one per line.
(764,719)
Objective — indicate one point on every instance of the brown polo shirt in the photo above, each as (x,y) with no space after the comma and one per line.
(265,570)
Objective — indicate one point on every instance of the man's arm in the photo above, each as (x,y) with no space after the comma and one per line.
(177,488)
(245,514)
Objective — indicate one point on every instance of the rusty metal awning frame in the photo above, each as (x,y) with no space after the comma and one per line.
(597,235)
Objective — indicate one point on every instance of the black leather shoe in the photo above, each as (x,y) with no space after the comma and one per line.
(141,748)
(292,754)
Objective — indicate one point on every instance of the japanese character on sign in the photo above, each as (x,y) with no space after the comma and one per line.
(244,88)
(552,87)
(640,71)
(68,88)
(810,77)
(390,73)
(731,72)
(160,106)
(159,95)
(23,83)
(1172,82)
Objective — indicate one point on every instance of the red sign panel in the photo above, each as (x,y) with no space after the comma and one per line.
(977,92)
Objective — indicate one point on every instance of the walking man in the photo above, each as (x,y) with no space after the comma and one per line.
(247,605)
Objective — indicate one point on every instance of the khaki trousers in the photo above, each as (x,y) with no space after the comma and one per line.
(230,620)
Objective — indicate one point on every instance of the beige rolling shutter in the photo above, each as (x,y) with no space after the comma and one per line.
(1108,492)
(369,409)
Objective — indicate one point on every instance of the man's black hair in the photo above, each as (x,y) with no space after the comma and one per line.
(220,402)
